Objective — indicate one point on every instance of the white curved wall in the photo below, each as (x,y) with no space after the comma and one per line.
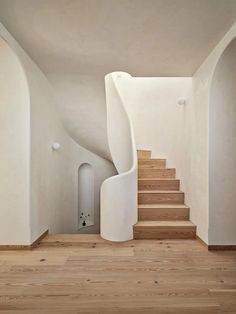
(82,108)
(118,124)
(222,150)
(51,185)
(119,193)
(201,93)
(14,149)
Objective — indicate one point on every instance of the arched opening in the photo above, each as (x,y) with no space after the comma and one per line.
(85,196)
(222,150)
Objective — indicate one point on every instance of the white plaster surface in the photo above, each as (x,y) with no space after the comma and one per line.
(222,150)
(51,187)
(14,149)
(119,193)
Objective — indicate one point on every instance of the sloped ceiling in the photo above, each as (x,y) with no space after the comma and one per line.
(142,37)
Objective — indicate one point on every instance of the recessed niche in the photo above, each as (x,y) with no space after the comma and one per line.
(85,195)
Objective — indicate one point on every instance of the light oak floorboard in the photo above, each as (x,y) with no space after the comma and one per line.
(85,274)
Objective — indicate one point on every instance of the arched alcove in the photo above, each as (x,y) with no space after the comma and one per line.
(85,195)
(222,150)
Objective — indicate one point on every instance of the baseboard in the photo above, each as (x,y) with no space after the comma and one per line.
(216,247)
(15,247)
(221,247)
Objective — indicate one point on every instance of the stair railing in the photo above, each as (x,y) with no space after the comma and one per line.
(119,193)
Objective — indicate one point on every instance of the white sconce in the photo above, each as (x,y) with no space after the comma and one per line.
(181,101)
(56,146)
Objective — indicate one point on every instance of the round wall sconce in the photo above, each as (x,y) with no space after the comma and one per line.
(56,146)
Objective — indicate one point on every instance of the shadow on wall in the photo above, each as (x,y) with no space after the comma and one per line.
(85,195)
(222,150)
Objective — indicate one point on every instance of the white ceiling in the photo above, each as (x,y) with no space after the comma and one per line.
(142,37)
(77,42)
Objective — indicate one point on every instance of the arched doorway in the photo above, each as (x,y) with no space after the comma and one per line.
(222,150)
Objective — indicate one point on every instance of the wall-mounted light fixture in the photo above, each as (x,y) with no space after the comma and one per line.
(56,146)
(181,101)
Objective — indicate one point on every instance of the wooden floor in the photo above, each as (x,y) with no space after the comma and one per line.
(85,274)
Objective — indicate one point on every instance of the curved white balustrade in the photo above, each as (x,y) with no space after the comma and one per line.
(119,193)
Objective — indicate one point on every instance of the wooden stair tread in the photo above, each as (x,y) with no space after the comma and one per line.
(144,154)
(151,163)
(168,206)
(150,169)
(162,213)
(156,173)
(153,168)
(160,191)
(162,184)
(164,223)
(160,197)
(158,179)
(164,229)
(152,159)
(144,151)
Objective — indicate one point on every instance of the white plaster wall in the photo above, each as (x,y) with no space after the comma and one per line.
(53,175)
(14,149)
(118,124)
(180,134)
(119,193)
(65,209)
(82,108)
(177,133)
(157,118)
(201,90)
(52,172)
(222,153)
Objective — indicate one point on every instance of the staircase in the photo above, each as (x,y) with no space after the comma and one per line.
(162,213)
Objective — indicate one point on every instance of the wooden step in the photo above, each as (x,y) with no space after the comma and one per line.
(158,184)
(163,212)
(160,197)
(164,230)
(144,154)
(156,173)
(152,163)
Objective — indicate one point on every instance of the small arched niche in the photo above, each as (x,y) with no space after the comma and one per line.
(85,195)
(222,150)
